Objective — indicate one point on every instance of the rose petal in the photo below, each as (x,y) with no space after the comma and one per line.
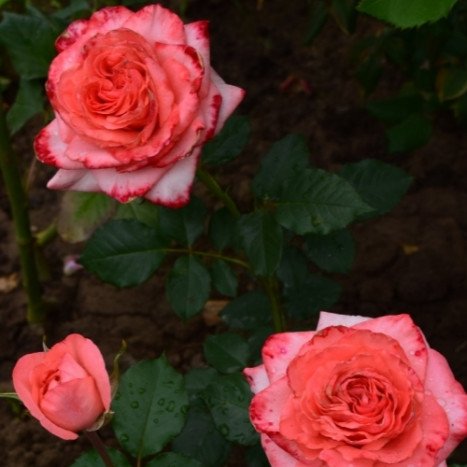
(333,319)
(77,180)
(257,378)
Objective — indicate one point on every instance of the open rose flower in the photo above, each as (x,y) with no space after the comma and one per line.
(135,98)
(66,388)
(357,392)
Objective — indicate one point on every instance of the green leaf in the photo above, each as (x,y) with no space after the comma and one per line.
(150,407)
(248,311)
(140,210)
(452,83)
(369,72)
(93,459)
(333,252)
(344,13)
(201,440)
(379,184)
(197,380)
(82,213)
(124,252)
(222,229)
(29,102)
(184,225)
(318,202)
(228,399)
(256,342)
(318,16)
(226,352)
(278,167)
(394,110)
(70,11)
(412,133)
(229,143)
(223,278)
(255,457)
(404,14)
(262,239)
(188,286)
(29,41)
(173,459)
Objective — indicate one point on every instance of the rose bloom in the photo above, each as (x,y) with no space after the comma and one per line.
(356,392)
(134,98)
(66,388)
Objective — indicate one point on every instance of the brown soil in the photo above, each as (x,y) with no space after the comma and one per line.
(412,260)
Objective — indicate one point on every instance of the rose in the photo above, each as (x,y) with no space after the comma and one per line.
(66,388)
(134,99)
(357,392)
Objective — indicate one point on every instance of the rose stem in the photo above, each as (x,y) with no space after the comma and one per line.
(269,283)
(20,213)
(99,446)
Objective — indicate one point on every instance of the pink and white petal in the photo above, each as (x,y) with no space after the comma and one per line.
(327,319)
(173,189)
(266,406)
(209,111)
(74,180)
(157,24)
(452,398)
(125,186)
(279,458)
(88,355)
(402,329)
(50,148)
(257,378)
(231,98)
(443,464)
(90,155)
(280,349)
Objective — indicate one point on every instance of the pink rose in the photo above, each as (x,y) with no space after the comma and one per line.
(135,98)
(66,388)
(357,392)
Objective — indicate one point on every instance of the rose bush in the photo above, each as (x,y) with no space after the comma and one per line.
(66,388)
(134,99)
(357,392)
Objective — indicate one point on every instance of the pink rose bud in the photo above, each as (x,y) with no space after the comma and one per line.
(135,98)
(357,391)
(66,388)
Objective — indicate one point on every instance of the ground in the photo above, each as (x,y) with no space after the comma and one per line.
(412,260)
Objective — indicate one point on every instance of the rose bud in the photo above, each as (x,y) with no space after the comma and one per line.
(66,388)
(134,98)
(356,392)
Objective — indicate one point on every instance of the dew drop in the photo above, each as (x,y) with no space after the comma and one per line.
(161,402)
(224,429)
(171,406)
(124,438)
(134,404)
(141,390)
(155,420)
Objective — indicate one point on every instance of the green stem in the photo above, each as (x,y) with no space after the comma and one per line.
(211,184)
(47,235)
(271,287)
(9,395)
(20,214)
(99,447)
(209,254)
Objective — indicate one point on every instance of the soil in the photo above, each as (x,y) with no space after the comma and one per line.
(413,260)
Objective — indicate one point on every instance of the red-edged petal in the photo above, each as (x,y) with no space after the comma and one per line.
(157,24)
(209,110)
(327,319)
(402,329)
(74,180)
(89,155)
(173,189)
(452,398)
(257,378)
(279,350)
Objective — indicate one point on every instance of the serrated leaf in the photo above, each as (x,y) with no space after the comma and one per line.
(93,459)
(404,14)
(224,279)
(29,101)
(249,311)
(293,268)
(29,41)
(380,185)
(188,286)
(412,133)
(150,407)
(173,459)
(229,143)
(124,252)
(228,399)
(344,13)
(394,110)
(278,167)
(262,239)
(226,352)
(333,252)
(222,229)
(184,225)
(197,380)
(316,201)
(318,16)
(200,438)
(70,11)
(140,210)
(81,213)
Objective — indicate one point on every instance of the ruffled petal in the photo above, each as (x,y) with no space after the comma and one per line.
(74,180)
(327,319)
(257,378)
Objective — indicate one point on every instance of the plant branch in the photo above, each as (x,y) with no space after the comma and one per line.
(209,254)
(20,213)
(271,287)
(99,446)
